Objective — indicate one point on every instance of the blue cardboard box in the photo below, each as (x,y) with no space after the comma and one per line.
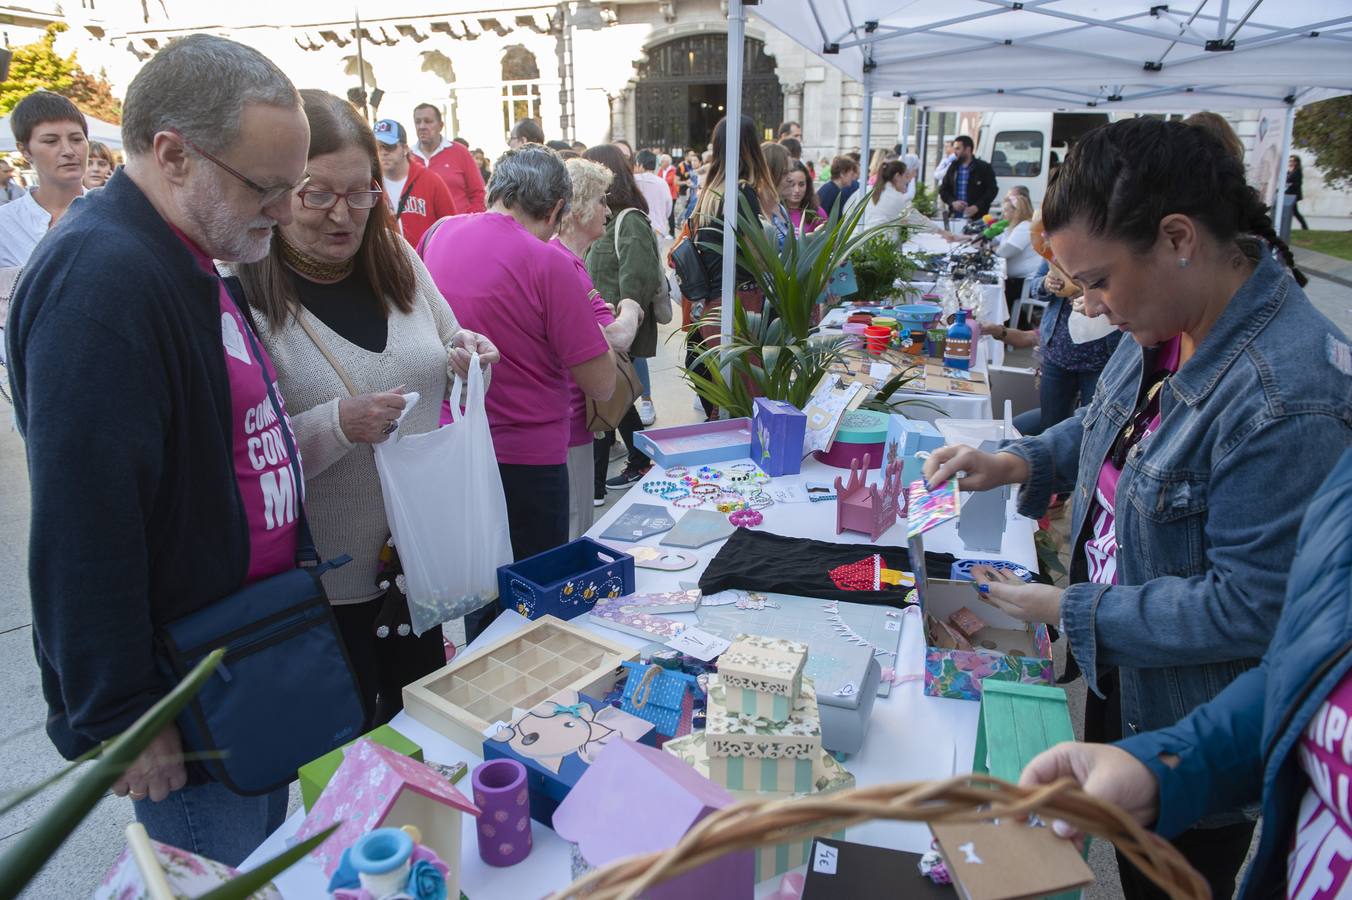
(565,582)
(557,739)
(907,437)
(777,430)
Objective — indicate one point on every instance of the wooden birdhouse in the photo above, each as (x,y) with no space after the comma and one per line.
(377,787)
(1017,722)
(864,507)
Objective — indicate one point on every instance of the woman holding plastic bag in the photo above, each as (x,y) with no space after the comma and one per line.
(356,329)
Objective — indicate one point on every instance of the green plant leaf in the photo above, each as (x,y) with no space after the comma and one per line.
(31,849)
(247,883)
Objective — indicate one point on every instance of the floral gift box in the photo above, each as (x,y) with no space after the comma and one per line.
(1004,649)
(751,753)
(774,860)
(763,676)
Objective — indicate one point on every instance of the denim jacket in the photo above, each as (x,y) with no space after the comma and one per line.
(1243,744)
(1208,507)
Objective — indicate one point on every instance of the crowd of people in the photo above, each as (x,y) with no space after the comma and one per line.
(371,267)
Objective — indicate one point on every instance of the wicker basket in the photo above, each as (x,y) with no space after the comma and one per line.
(757,823)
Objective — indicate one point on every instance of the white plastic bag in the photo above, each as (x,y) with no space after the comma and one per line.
(446,510)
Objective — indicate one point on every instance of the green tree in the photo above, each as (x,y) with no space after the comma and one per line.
(1325,128)
(38,66)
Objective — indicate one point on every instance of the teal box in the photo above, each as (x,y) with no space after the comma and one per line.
(907,437)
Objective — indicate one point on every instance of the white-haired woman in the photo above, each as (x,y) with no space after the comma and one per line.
(583,224)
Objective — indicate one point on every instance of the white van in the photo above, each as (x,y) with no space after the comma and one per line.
(1019,145)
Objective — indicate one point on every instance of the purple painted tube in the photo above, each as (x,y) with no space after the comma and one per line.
(504,827)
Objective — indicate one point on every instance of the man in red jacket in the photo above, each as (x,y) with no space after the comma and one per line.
(448,159)
(415,194)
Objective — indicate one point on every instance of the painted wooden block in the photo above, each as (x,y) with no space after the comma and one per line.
(868,508)
(462,699)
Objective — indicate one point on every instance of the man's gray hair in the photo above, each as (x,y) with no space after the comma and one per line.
(531,179)
(199,85)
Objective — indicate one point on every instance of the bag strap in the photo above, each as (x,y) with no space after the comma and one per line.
(408,189)
(324,349)
(306,555)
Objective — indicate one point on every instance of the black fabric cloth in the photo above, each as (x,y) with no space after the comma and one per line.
(754,560)
(1216,854)
(981,186)
(537,507)
(349,307)
(136,516)
(385,665)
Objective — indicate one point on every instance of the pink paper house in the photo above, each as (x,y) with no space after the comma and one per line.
(377,787)
(865,508)
(634,800)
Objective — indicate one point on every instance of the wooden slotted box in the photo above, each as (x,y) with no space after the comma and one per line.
(462,699)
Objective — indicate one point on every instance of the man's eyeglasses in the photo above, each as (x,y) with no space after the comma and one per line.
(267,196)
(329,199)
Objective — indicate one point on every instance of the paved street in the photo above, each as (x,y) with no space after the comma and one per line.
(26,755)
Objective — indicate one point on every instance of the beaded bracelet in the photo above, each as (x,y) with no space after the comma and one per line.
(760,501)
(746,518)
(743,467)
(704,489)
(660,487)
(746,489)
(708,473)
(677,472)
(671,495)
(731,506)
(760,478)
(687,502)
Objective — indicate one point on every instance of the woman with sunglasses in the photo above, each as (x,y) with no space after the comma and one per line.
(352,321)
(1204,442)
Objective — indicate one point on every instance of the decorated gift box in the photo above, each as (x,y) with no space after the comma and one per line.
(636,800)
(748,753)
(315,775)
(907,437)
(566,581)
(557,739)
(763,676)
(775,859)
(963,648)
(664,697)
(376,787)
(777,437)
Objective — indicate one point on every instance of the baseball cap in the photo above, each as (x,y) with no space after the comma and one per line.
(389,132)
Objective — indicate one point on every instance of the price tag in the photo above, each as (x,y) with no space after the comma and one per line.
(824,859)
(893,625)
(700,644)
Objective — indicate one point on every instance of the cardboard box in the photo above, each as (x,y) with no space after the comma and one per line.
(1005,650)
(777,437)
(750,753)
(776,859)
(763,676)
(1009,860)
(557,739)
(845,707)
(907,437)
(315,775)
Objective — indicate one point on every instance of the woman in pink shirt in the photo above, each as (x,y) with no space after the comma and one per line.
(504,281)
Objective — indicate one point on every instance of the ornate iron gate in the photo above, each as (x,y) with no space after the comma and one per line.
(682,88)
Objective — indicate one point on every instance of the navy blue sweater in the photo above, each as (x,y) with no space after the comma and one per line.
(121,392)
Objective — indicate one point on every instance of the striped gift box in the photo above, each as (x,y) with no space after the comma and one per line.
(753,753)
(774,707)
(765,672)
(775,860)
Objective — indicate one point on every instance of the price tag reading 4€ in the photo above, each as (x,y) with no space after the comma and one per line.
(824,859)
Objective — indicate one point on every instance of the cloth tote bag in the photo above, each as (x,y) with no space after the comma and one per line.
(446,510)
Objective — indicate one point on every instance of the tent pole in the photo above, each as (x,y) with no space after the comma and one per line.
(731,168)
(867,140)
(922,148)
(1278,210)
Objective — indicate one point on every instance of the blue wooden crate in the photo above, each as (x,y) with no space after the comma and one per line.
(565,582)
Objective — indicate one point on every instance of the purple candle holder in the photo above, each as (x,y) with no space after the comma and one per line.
(503,827)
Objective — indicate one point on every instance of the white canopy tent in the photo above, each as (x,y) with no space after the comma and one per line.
(99,130)
(1070,55)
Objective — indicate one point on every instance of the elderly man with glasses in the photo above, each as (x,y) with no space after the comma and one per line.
(137,390)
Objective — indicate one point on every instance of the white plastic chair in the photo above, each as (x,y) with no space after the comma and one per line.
(1026,298)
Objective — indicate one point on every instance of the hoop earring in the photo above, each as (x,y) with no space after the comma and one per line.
(1182,262)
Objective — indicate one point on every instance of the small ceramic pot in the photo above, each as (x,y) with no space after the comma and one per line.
(503,828)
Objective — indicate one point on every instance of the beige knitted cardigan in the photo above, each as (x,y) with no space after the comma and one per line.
(343,500)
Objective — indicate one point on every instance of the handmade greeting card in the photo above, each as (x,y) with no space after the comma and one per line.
(927,509)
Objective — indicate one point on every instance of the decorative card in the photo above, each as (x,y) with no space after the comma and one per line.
(697,528)
(927,509)
(824,411)
(639,521)
(1009,859)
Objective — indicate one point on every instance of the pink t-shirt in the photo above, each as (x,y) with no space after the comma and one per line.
(1321,850)
(263,472)
(1100,549)
(577,403)
(507,284)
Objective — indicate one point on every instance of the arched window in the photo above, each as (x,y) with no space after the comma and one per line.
(520,87)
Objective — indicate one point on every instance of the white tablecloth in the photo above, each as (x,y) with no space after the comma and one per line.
(911,736)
